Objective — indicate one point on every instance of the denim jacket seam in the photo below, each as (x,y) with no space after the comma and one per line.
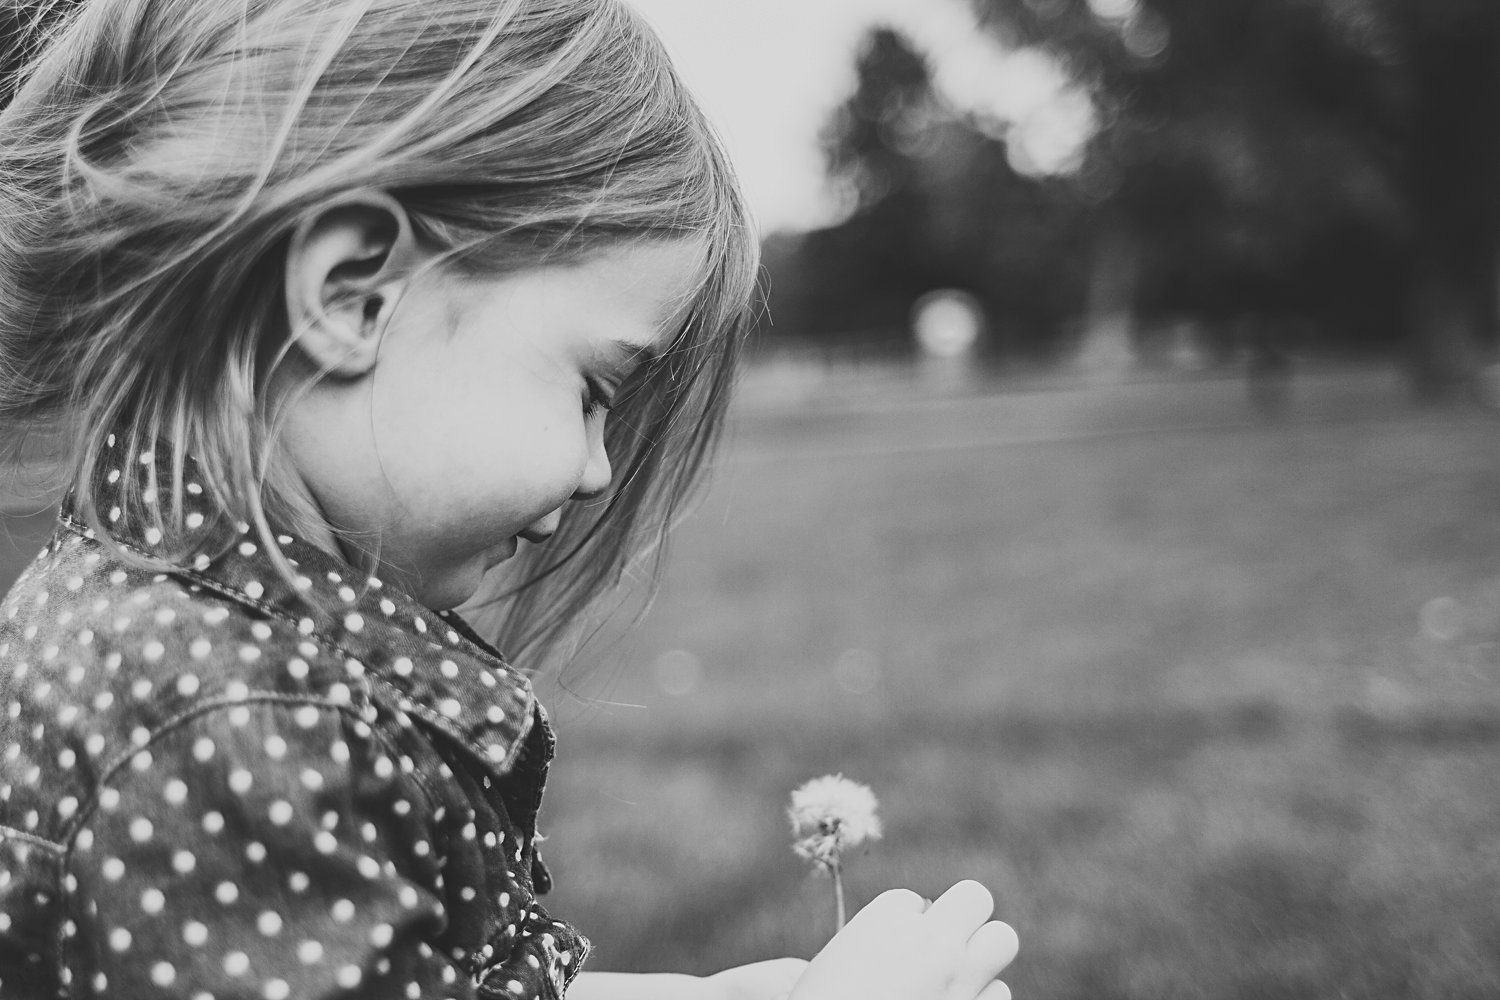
(230,593)
(86,809)
(11,833)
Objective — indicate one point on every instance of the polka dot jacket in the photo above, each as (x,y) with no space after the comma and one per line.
(218,784)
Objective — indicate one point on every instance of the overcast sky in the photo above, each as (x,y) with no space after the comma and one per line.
(769,72)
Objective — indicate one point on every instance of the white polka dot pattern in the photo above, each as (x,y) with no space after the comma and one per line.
(215,782)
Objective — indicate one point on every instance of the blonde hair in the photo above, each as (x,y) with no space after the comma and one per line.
(157,154)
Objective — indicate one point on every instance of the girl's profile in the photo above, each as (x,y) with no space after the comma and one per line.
(346,313)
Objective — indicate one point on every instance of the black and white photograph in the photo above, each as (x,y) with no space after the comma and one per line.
(789,500)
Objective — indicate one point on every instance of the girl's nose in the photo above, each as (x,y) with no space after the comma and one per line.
(597,473)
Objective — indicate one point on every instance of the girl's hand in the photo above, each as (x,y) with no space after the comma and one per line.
(771,980)
(758,981)
(900,948)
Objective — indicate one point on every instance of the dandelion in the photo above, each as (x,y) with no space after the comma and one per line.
(829,814)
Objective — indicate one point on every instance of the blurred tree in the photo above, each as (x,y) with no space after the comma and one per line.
(1332,160)
(855,281)
(869,139)
(1445,60)
(931,202)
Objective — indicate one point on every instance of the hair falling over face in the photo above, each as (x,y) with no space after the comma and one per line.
(155,155)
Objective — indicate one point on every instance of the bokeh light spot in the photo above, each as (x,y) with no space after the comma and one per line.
(947,323)
(1114,10)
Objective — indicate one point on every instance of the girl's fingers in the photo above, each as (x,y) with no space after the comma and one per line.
(993,947)
(892,901)
(962,909)
(988,952)
(994,991)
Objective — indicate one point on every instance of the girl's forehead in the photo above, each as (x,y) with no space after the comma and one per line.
(628,302)
(666,275)
(663,258)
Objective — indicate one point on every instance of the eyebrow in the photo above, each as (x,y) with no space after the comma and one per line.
(623,353)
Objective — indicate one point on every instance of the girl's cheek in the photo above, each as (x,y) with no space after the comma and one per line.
(545,471)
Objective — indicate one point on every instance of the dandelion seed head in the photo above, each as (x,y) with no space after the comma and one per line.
(829,814)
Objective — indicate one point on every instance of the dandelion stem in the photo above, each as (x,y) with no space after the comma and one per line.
(838,892)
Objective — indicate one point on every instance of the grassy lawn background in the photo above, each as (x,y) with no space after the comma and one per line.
(1214,711)
(1213,707)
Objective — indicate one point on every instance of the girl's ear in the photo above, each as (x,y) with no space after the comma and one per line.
(346,268)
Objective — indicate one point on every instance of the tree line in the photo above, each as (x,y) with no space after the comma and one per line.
(1319,175)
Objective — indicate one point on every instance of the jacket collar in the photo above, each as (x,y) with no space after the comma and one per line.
(442,670)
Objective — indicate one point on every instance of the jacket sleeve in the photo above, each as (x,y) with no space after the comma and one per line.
(265,850)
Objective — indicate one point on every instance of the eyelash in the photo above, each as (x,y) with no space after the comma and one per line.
(596,399)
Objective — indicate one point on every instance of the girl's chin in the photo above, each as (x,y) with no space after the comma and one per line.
(446,591)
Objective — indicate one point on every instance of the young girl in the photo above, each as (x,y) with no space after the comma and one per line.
(333,301)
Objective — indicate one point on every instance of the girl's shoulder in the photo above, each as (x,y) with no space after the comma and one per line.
(100,659)
(216,748)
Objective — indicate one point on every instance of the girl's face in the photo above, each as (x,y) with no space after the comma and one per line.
(484,413)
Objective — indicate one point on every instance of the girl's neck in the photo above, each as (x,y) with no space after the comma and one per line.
(292,506)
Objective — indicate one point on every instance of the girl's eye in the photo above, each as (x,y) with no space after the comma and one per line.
(597,398)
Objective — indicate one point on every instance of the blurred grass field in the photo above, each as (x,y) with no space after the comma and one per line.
(1212,706)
